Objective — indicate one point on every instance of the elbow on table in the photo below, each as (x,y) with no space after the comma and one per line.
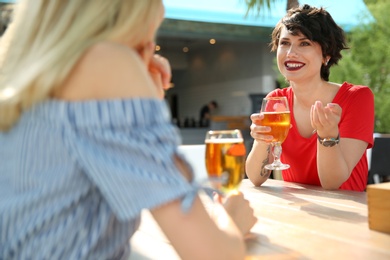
(332,183)
(257,181)
(330,186)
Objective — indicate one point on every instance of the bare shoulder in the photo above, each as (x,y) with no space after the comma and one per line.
(108,71)
(334,85)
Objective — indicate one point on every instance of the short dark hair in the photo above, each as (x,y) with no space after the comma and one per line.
(214,103)
(317,25)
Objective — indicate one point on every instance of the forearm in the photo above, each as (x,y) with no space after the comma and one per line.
(332,167)
(258,157)
(217,238)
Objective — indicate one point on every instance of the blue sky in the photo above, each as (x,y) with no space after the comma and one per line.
(346,13)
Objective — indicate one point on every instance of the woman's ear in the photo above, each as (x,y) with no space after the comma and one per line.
(326,60)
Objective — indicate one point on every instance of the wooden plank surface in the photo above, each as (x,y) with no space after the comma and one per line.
(305,222)
(294,222)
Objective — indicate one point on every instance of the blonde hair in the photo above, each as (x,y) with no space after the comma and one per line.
(48,37)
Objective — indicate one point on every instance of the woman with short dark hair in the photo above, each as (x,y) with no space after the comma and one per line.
(331,124)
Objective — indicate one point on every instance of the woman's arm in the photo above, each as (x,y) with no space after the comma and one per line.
(201,237)
(219,235)
(260,154)
(342,157)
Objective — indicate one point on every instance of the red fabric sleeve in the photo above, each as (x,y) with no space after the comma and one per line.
(357,120)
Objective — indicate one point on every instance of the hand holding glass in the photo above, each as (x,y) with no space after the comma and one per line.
(277,116)
(225,159)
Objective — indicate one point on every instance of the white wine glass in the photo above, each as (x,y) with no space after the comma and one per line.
(225,159)
(277,116)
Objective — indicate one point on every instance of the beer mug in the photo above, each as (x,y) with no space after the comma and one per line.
(225,159)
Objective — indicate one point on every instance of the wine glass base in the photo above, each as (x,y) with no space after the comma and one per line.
(277,166)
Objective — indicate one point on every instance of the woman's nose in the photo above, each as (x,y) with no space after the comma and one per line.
(291,52)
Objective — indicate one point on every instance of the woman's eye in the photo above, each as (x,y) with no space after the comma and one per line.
(305,44)
(284,43)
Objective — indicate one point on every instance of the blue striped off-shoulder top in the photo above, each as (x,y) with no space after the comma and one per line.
(74,177)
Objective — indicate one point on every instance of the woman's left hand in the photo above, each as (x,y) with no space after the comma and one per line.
(325,119)
(158,67)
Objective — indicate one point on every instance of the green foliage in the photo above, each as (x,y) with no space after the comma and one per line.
(261,5)
(368,61)
(258,5)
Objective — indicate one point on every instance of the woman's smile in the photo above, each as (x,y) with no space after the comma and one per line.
(293,65)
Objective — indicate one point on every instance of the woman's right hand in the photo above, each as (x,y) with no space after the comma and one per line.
(258,131)
(239,211)
(159,67)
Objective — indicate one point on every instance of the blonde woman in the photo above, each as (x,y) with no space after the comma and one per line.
(86,142)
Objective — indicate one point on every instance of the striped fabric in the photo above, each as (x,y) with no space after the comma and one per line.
(74,177)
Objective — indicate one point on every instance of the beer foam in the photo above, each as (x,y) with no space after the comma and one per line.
(224,141)
(276,112)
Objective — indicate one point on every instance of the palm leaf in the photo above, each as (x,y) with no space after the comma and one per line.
(258,5)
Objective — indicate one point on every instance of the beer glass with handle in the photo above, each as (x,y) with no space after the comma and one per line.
(225,159)
(277,116)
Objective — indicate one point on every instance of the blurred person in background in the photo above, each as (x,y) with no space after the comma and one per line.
(205,113)
(87,143)
(332,124)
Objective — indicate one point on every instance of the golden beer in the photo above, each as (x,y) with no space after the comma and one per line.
(225,161)
(279,123)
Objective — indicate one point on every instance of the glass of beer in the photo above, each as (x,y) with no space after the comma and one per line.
(277,116)
(225,159)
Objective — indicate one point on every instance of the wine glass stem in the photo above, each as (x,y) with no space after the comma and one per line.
(276,152)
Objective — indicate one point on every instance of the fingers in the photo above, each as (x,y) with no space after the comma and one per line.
(317,112)
(146,52)
(161,65)
(158,67)
(258,131)
(334,108)
(325,118)
(312,120)
(241,212)
(256,116)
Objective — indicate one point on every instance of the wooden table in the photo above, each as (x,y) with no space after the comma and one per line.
(295,222)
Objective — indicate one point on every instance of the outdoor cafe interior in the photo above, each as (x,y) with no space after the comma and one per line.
(218,53)
(296,221)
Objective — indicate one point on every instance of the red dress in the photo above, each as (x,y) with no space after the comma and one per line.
(357,121)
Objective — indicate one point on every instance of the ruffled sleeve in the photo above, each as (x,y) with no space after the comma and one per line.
(126,149)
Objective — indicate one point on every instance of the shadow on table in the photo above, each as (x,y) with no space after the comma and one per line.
(268,250)
(298,188)
(311,207)
(334,214)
